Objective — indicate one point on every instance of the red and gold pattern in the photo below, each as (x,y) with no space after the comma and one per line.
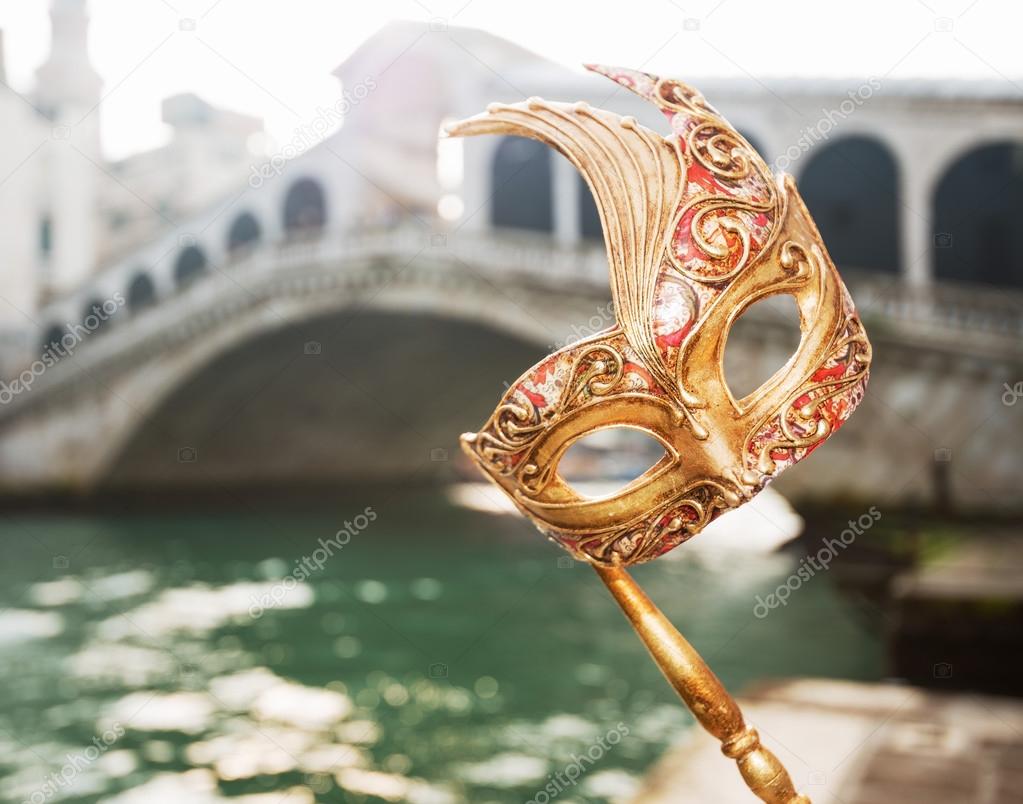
(697,230)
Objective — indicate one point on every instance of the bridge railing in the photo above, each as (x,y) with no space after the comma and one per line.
(512,253)
(498,252)
(963,316)
(943,305)
(250,277)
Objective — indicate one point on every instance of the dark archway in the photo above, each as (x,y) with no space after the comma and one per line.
(851,187)
(190,266)
(94,318)
(244,233)
(141,292)
(305,208)
(336,390)
(52,336)
(520,180)
(977,236)
(589,218)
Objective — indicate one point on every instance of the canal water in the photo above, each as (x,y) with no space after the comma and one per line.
(425,654)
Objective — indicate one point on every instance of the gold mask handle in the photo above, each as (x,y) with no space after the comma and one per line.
(702,691)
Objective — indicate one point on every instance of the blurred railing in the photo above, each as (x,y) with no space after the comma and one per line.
(329,261)
(506,252)
(956,305)
(951,319)
(965,319)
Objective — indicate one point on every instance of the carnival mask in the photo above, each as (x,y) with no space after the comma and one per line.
(697,230)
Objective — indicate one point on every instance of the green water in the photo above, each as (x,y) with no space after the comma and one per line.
(438,656)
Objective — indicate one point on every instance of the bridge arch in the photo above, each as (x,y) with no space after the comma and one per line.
(520,181)
(305,208)
(244,233)
(851,187)
(341,410)
(352,365)
(189,266)
(977,237)
(160,354)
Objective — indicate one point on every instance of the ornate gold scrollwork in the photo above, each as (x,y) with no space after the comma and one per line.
(669,526)
(800,425)
(681,97)
(720,150)
(715,216)
(603,373)
(515,427)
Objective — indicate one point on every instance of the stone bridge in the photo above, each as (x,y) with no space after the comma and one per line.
(352,308)
(348,355)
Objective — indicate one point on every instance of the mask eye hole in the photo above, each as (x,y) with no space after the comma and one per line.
(606,461)
(761,343)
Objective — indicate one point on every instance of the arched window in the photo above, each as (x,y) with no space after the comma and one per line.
(521,185)
(141,292)
(94,318)
(589,219)
(305,208)
(244,232)
(851,187)
(977,236)
(45,236)
(190,266)
(52,336)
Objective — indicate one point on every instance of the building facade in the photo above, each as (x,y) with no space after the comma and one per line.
(69,211)
(915,187)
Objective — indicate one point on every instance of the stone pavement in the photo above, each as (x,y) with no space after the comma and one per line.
(859,743)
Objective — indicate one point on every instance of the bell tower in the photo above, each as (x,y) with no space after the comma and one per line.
(68,92)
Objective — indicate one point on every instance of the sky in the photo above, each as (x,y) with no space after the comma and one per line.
(273,59)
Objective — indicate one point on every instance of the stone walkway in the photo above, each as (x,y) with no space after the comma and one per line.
(854,743)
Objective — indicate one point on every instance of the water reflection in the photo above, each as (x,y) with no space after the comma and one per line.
(442,656)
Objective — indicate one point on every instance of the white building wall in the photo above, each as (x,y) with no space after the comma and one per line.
(72,163)
(19,212)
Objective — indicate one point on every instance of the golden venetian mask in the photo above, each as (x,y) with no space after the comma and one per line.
(697,230)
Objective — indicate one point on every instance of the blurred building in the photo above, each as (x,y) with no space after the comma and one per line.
(915,186)
(67,210)
(207,155)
